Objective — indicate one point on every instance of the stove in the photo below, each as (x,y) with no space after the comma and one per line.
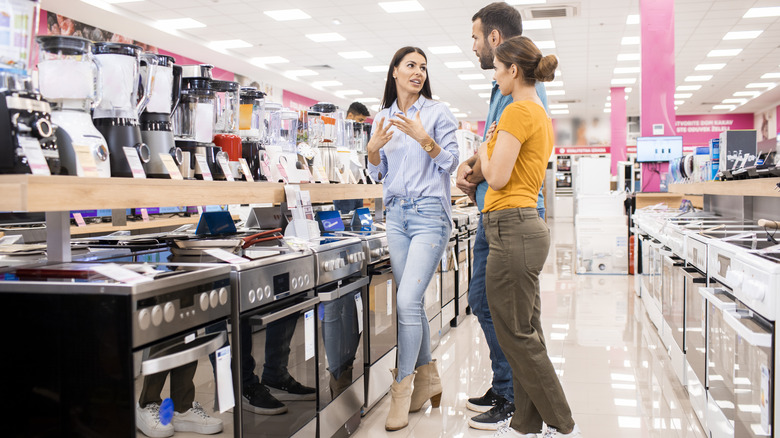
(696,240)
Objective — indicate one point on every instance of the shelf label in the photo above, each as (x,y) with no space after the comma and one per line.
(308,325)
(225,395)
(120,274)
(79,220)
(223,164)
(226,256)
(35,158)
(135,162)
(350,175)
(341,177)
(359,308)
(282,172)
(170,166)
(245,169)
(202,166)
(86,161)
(389,297)
(144,215)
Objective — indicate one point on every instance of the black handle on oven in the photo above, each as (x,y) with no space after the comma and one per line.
(202,346)
(382,271)
(265,320)
(342,290)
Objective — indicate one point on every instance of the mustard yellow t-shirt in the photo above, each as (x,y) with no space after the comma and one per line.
(527,122)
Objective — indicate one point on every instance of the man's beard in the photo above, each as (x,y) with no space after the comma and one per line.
(485,59)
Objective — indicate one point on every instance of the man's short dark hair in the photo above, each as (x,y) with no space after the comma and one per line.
(359,109)
(502,17)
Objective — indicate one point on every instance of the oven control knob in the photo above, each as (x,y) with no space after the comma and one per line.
(157,315)
(144,319)
(294,283)
(223,296)
(306,279)
(339,263)
(214,298)
(252,296)
(385,250)
(353,258)
(169,311)
(755,290)
(328,265)
(300,281)
(204,301)
(267,291)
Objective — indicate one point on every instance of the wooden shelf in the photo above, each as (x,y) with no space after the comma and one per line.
(746,187)
(154,223)
(64,193)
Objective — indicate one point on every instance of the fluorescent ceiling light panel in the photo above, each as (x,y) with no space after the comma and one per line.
(628,57)
(771,76)
(367,99)
(553,84)
(632,19)
(300,73)
(460,115)
(760,85)
(737,101)
(444,50)
(374,107)
(287,14)
(625,70)
(536,24)
(545,44)
(556,93)
(628,90)
(698,78)
(447,104)
(319,84)
(459,64)
(115,2)
(559,112)
(558,106)
(265,60)
(325,37)
(472,77)
(454,110)
(349,92)
(688,87)
(682,95)
(623,81)
(436,97)
(526,2)
(723,53)
(707,67)
(403,6)
(376,68)
(483,95)
(630,41)
(762,12)
(178,24)
(742,35)
(607,110)
(358,54)
(229,44)
(746,93)
(724,107)
(480,86)
(679,102)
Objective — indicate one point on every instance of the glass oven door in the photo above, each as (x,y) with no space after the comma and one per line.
(721,340)
(382,328)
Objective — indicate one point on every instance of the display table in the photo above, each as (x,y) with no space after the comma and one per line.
(745,187)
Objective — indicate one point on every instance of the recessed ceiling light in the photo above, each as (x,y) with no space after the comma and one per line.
(460,115)
(762,12)
(743,35)
(628,57)
(435,97)
(623,81)
(679,102)
(447,104)
(724,107)
(545,44)
(536,24)
(624,70)
(229,44)
(454,110)
(607,110)
(746,93)
(771,76)
(300,73)
(632,19)
(484,94)
(374,107)
(325,37)
(609,98)
(178,24)
(682,95)
(699,78)
(556,93)
(688,87)
(737,101)
(553,84)
(367,99)
(319,84)
(472,77)
(287,14)
(349,92)
(376,68)
(705,67)
(358,54)
(264,60)
(557,73)
(723,53)
(402,6)
(444,50)
(559,112)
(480,86)
(760,85)
(629,41)
(558,106)
(628,89)
(459,64)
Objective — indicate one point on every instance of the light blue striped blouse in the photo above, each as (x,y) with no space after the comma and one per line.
(407,170)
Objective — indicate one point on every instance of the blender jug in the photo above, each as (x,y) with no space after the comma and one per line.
(116,116)
(226,122)
(193,124)
(252,128)
(156,126)
(68,77)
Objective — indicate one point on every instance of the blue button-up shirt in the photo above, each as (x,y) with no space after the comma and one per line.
(497,105)
(407,170)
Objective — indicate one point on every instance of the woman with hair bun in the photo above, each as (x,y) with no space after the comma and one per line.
(514,158)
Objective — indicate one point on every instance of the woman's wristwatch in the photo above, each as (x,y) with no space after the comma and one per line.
(428,145)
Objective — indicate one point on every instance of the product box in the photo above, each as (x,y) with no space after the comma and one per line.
(601,244)
(608,204)
(734,145)
(714,158)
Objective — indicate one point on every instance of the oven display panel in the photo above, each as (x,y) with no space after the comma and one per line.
(281,283)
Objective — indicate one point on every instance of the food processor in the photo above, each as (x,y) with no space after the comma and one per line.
(156,125)
(252,129)
(116,116)
(26,130)
(226,122)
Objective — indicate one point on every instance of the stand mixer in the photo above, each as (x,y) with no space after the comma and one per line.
(156,125)
(116,116)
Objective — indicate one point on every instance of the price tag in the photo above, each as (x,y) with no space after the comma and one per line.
(454,258)
(438,288)
(282,172)
(341,177)
(764,399)
(79,220)
(135,162)
(170,166)
(223,163)
(202,166)
(351,176)
(266,170)
(120,274)
(245,169)
(226,256)
(35,158)
(359,307)
(224,380)
(389,297)
(321,174)
(308,329)
(144,215)
(200,210)
(86,161)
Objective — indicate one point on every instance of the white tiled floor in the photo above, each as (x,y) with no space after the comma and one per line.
(610,359)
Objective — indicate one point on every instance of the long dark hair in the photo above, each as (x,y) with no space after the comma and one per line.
(523,53)
(391,94)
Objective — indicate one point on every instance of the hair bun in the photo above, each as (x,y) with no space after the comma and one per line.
(545,70)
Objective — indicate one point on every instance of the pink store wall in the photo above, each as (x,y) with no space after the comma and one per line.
(697,130)
(296,101)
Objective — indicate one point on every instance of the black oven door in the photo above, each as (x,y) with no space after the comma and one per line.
(381,325)
(278,368)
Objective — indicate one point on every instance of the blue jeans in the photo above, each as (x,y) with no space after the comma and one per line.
(418,227)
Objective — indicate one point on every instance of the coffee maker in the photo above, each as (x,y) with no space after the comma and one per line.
(156,126)
(68,77)
(252,129)
(116,116)
(226,122)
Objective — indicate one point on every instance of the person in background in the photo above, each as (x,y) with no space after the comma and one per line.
(513,160)
(412,152)
(491,26)
(357,112)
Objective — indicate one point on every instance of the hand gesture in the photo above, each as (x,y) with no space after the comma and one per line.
(464,170)
(380,138)
(411,127)
(490,132)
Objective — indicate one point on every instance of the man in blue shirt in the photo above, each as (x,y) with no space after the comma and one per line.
(492,25)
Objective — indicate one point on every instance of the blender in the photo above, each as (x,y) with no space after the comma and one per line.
(328,153)
(226,122)
(252,129)
(26,130)
(156,125)
(281,152)
(116,116)
(68,78)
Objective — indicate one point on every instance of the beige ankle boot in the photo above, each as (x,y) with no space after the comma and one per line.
(401,393)
(427,385)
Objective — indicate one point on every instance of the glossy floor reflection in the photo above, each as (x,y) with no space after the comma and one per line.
(610,359)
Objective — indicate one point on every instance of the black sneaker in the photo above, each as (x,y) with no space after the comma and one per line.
(494,418)
(259,400)
(484,403)
(291,389)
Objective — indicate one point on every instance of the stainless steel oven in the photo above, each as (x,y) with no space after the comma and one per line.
(673,310)
(381,331)
(695,341)
(449,283)
(432,303)
(462,221)
(670,280)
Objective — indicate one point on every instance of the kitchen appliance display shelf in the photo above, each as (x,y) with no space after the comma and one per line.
(745,187)
(58,195)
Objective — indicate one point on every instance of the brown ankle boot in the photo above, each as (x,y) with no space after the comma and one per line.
(427,385)
(401,393)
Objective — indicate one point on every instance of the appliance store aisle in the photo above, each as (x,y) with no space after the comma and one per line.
(609,356)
